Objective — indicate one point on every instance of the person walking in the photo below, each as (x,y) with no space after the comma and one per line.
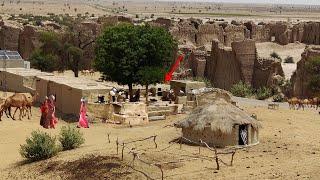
(83,120)
(51,118)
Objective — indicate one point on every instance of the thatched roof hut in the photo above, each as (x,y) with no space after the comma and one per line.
(220,124)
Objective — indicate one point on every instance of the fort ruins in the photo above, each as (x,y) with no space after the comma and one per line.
(224,53)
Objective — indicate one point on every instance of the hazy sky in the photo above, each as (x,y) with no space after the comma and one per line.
(307,2)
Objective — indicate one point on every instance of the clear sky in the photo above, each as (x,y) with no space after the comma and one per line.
(307,2)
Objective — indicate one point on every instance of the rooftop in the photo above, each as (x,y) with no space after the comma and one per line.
(77,83)
(26,72)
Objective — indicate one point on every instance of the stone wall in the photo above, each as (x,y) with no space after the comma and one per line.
(222,69)
(9,35)
(311,33)
(29,40)
(245,52)
(233,33)
(265,69)
(209,32)
(198,60)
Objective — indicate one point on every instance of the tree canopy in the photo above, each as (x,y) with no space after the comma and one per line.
(129,54)
(66,50)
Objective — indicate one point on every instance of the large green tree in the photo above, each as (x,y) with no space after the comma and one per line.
(129,54)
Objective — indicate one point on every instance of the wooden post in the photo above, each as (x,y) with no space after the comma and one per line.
(154,140)
(217,158)
(232,157)
(117,142)
(122,151)
(109,138)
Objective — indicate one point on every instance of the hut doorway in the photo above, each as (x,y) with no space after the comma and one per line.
(243,135)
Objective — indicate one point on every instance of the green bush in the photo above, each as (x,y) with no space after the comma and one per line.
(39,146)
(43,62)
(288,59)
(241,90)
(263,93)
(275,55)
(70,138)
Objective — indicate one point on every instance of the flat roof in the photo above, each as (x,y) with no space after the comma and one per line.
(77,83)
(26,72)
(187,81)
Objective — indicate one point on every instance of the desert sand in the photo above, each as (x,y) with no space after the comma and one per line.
(289,149)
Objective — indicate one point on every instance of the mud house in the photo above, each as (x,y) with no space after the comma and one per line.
(20,79)
(220,124)
(69,90)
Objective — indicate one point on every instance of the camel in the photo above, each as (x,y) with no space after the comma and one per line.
(85,72)
(306,102)
(30,102)
(316,102)
(17,100)
(295,101)
(91,72)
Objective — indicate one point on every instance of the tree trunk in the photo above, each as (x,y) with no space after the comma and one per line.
(147,87)
(130,92)
(76,73)
(76,69)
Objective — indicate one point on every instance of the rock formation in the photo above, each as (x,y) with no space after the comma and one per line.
(300,77)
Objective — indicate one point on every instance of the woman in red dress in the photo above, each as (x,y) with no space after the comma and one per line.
(51,118)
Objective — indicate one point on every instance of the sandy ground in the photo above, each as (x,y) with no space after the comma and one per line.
(144,8)
(289,148)
(293,49)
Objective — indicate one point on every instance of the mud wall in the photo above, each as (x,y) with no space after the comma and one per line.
(222,68)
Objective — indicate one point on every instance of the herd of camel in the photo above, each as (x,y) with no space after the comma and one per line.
(296,103)
(19,101)
(88,72)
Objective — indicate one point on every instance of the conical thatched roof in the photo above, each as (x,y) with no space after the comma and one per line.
(220,116)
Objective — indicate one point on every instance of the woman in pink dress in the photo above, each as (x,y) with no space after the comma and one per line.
(51,112)
(83,120)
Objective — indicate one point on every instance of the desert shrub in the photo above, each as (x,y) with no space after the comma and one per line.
(288,59)
(278,98)
(275,55)
(44,62)
(39,146)
(70,138)
(241,90)
(263,93)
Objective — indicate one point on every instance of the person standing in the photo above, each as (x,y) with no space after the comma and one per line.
(51,118)
(44,111)
(83,120)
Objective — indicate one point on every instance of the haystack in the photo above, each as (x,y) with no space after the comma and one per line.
(220,124)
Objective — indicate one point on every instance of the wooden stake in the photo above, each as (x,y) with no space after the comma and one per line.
(122,151)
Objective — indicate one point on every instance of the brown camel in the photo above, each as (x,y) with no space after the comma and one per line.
(316,102)
(295,101)
(17,100)
(30,103)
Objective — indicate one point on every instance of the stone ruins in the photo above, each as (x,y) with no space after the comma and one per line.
(222,52)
